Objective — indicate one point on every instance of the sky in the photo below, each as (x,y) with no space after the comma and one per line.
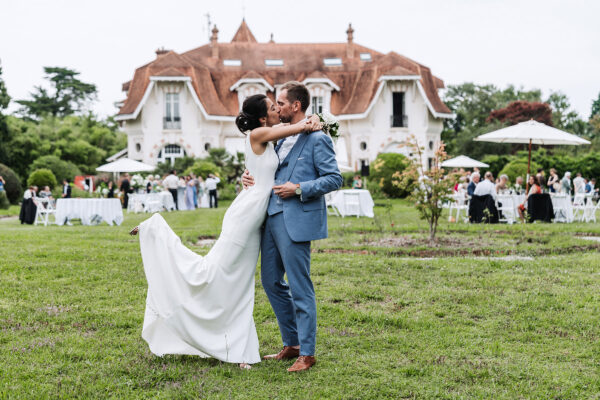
(547,44)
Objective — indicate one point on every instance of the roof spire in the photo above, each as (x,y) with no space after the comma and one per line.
(272,40)
(213,43)
(243,34)
(350,44)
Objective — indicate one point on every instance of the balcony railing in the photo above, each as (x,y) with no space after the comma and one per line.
(172,123)
(399,121)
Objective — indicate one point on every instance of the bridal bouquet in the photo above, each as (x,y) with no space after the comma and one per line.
(330,125)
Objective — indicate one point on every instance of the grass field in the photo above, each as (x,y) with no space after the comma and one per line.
(499,312)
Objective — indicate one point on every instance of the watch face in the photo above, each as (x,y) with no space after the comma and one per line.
(298,191)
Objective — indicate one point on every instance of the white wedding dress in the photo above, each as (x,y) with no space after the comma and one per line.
(203,305)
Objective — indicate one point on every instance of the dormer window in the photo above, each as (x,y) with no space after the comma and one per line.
(172,119)
(365,56)
(316,104)
(232,63)
(332,62)
(274,62)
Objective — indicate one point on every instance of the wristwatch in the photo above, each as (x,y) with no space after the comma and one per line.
(298,189)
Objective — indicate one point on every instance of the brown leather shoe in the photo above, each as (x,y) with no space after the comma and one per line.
(285,354)
(302,363)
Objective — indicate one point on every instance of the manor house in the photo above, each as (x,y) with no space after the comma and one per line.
(185,104)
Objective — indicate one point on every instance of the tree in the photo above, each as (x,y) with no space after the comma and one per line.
(69,95)
(429,189)
(521,111)
(563,117)
(12,185)
(4,133)
(595,107)
(42,177)
(61,169)
(384,171)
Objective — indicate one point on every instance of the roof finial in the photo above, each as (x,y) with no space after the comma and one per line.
(350,33)
(213,42)
(272,40)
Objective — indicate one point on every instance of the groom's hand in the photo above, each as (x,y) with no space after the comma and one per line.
(247,179)
(286,190)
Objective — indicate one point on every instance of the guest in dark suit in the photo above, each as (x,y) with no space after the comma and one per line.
(474,181)
(66,192)
(126,189)
(111,190)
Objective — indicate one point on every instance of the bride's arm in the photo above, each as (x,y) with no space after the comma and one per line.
(268,134)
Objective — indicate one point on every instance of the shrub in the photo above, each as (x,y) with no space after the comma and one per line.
(382,172)
(42,177)
(61,169)
(202,168)
(518,168)
(4,203)
(12,184)
(227,192)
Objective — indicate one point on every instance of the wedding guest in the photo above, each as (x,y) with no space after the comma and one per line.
(357,182)
(534,188)
(66,190)
(171,182)
(541,177)
(486,186)
(46,192)
(29,193)
(590,187)
(211,186)
(2,183)
(189,193)
(203,194)
(502,186)
(149,184)
(195,184)
(579,183)
(565,183)
(553,181)
(28,206)
(518,184)
(125,189)
(474,181)
(111,190)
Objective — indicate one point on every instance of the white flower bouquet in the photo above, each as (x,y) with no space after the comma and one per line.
(137,181)
(330,124)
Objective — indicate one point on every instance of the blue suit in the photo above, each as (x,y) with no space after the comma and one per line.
(290,226)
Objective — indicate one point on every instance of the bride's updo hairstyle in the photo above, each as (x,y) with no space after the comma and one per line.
(254,108)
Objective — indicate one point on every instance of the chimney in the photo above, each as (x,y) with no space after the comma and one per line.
(350,44)
(213,43)
(161,52)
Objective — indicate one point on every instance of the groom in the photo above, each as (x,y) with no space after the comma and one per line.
(296,215)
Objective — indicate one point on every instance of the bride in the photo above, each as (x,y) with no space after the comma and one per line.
(203,305)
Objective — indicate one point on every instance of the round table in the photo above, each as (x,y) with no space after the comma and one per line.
(86,209)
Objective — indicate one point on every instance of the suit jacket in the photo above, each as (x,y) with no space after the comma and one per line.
(125,186)
(68,194)
(312,164)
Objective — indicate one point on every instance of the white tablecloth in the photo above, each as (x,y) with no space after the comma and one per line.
(164,198)
(365,202)
(563,208)
(109,209)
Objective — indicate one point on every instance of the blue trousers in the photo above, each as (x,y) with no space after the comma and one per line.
(294,303)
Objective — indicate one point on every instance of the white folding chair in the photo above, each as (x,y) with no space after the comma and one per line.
(45,208)
(579,207)
(460,204)
(506,208)
(559,203)
(331,208)
(351,203)
(590,208)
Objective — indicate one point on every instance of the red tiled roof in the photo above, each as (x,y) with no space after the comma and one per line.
(358,80)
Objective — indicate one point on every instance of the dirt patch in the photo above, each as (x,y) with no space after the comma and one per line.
(206,240)
(54,310)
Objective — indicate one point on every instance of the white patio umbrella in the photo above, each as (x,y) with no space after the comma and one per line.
(125,165)
(531,132)
(463,162)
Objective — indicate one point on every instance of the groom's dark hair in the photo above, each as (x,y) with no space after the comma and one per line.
(297,92)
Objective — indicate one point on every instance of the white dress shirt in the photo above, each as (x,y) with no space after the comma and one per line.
(211,183)
(171,182)
(485,187)
(579,184)
(286,147)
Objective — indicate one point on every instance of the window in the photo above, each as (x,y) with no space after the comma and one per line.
(232,63)
(274,63)
(331,62)
(365,56)
(399,119)
(169,153)
(206,146)
(172,120)
(430,163)
(138,147)
(431,145)
(317,104)
(363,145)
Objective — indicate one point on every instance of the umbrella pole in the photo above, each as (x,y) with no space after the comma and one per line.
(528,169)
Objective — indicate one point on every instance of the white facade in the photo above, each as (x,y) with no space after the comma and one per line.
(362,136)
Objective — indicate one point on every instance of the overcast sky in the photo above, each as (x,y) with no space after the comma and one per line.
(546,44)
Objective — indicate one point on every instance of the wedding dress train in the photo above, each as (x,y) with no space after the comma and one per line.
(203,305)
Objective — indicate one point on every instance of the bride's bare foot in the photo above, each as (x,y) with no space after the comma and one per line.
(245,366)
(134,231)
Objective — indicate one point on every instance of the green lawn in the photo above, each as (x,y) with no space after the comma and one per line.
(488,312)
